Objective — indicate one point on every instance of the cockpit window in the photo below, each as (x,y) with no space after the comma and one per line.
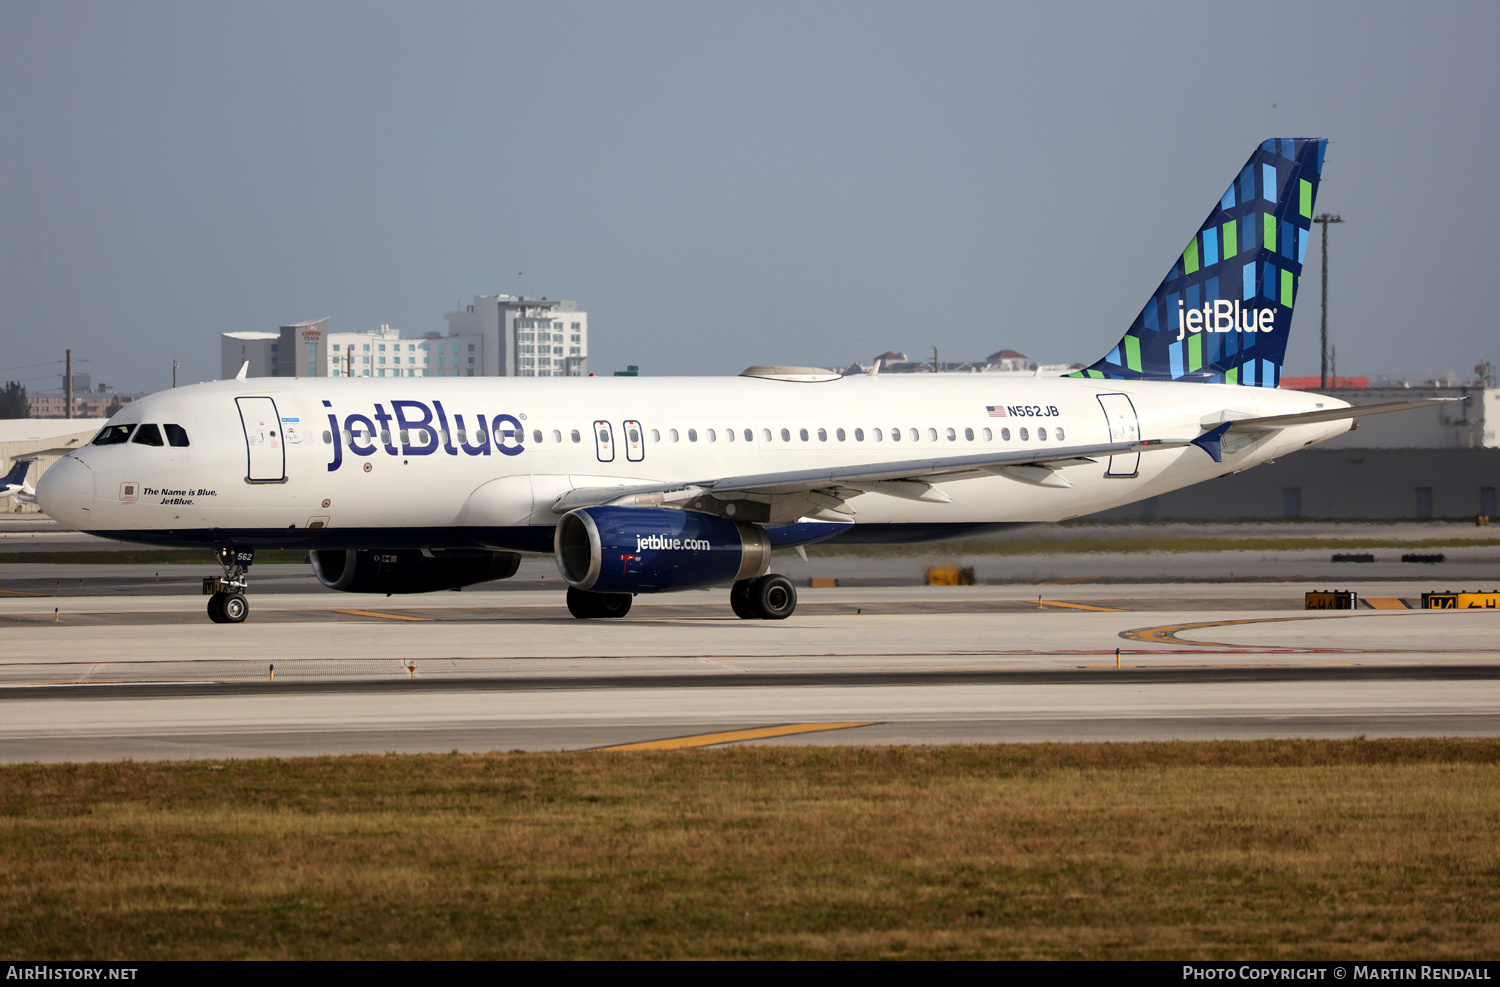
(147,435)
(176,435)
(112,435)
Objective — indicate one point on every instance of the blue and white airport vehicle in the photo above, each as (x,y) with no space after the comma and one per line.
(641,485)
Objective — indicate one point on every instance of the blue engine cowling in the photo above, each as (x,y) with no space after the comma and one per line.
(656,550)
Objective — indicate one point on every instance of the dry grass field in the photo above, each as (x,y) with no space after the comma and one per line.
(1278,849)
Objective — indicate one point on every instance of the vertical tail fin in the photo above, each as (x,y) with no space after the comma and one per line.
(18,471)
(1223,312)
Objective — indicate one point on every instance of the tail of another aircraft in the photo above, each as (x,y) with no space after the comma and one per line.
(1223,312)
(17,475)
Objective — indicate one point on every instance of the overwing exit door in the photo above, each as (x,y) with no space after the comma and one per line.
(1124,426)
(264,442)
(604,441)
(635,448)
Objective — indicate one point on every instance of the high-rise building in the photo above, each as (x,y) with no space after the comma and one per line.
(526,337)
(497,336)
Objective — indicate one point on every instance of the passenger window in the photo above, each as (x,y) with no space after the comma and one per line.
(536,435)
(147,435)
(822,435)
(750,436)
(952,435)
(895,434)
(859,435)
(327,437)
(574,435)
(1057,434)
(556,435)
(968,435)
(729,434)
(1041,434)
(708,434)
(113,435)
(877,435)
(802,433)
(692,435)
(656,435)
(840,435)
(1004,434)
(633,434)
(786,435)
(177,436)
(1025,436)
(915,434)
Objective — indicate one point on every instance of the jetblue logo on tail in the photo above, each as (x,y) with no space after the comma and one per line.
(1223,316)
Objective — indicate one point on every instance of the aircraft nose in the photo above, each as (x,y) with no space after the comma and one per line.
(66,492)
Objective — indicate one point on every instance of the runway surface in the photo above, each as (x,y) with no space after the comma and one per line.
(147,676)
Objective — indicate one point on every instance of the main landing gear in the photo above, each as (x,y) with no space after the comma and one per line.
(227,603)
(771,597)
(584,605)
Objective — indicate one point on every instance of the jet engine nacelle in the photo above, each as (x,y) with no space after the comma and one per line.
(409,570)
(653,550)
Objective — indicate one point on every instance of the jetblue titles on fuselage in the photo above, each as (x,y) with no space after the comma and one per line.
(420,428)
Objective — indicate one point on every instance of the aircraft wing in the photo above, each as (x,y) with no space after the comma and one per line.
(909,479)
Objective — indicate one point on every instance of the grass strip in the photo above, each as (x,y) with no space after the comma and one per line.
(1276,849)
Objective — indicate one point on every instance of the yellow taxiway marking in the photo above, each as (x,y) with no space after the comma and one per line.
(20,592)
(731,736)
(1385,603)
(387,616)
(1167,633)
(1081,606)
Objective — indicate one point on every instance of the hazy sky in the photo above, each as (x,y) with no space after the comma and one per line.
(721,184)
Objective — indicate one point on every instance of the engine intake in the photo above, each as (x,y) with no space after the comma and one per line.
(409,570)
(654,550)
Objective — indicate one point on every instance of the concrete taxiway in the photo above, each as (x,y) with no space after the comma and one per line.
(147,676)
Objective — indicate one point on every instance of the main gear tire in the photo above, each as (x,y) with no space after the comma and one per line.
(773,597)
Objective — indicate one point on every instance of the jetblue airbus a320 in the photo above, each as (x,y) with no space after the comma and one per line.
(640,485)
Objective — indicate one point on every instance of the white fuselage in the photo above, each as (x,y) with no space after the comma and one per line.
(330,467)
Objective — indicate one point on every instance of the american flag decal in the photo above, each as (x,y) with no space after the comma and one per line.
(995,410)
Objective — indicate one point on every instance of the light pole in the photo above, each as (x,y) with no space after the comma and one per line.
(1325,219)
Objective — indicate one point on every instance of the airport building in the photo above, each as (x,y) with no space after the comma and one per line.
(88,402)
(497,336)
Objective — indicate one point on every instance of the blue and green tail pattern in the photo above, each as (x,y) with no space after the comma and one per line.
(1223,313)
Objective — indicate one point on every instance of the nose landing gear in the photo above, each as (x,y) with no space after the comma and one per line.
(226,601)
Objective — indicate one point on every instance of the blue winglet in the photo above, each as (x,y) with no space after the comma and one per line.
(1209,441)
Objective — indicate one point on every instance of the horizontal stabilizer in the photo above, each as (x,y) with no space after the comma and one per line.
(1271,423)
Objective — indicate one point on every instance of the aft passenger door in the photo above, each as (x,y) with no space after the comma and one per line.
(1124,426)
(264,442)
